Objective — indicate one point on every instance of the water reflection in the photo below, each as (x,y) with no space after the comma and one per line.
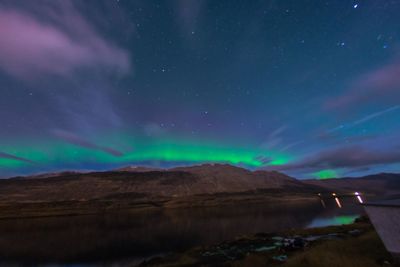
(134,236)
(337,212)
(336,220)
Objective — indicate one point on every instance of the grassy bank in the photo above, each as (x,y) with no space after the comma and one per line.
(364,251)
(352,245)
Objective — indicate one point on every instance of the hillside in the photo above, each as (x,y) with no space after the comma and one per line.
(177,182)
(142,188)
(383,184)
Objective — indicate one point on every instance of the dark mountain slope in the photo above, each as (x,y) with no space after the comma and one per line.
(382,184)
(177,182)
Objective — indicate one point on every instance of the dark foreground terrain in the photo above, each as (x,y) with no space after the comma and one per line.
(352,245)
(143,189)
(124,238)
(131,214)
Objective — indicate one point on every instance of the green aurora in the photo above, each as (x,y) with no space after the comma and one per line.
(325,174)
(162,151)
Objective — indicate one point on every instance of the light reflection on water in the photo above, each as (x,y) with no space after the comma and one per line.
(336,220)
(115,238)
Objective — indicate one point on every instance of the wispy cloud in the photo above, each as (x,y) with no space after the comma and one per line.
(344,157)
(60,45)
(382,84)
(263,159)
(291,145)
(13,157)
(364,119)
(376,114)
(274,138)
(188,14)
(76,140)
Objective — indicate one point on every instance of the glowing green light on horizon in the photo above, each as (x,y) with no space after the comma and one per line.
(325,174)
(137,150)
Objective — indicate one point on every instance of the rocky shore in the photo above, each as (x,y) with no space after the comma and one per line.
(355,244)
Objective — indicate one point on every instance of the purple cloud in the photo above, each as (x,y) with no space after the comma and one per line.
(4,155)
(344,157)
(274,138)
(363,120)
(291,145)
(76,140)
(60,45)
(188,14)
(263,159)
(382,84)
(376,115)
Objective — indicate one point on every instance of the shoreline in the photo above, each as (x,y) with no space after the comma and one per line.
(347,246)
(25,210)
(119,237)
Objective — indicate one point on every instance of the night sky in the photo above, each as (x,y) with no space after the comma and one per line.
(310,88)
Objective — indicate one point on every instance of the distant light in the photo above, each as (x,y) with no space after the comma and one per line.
(333,194)
(338,202)
(358,197)
(355,6)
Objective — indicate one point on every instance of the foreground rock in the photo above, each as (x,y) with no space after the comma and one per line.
(348,245)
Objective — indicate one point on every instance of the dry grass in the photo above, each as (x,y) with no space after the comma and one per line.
(364,251)
(367,250)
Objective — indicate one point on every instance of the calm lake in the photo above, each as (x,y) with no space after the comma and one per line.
(122,238)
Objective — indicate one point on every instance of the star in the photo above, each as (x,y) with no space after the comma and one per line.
(220,71)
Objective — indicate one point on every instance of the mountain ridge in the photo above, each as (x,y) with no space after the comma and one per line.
(143,188)
(205,179)
(380,184)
